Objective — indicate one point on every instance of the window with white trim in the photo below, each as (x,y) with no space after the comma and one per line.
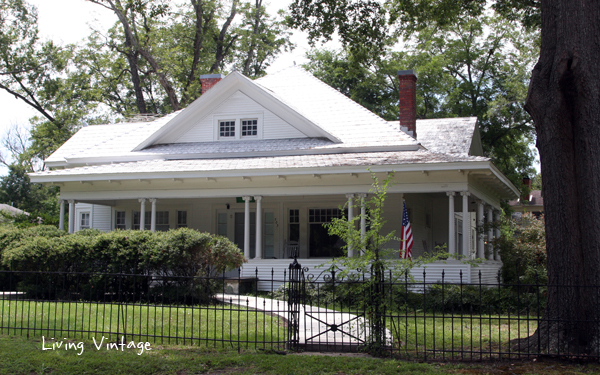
(120,220)
(162,221)
(320,242)
(181,219)
(243,126)
(249,128)
(84,220)
(227,129)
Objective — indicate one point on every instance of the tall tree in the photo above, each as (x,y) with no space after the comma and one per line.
(564,101)
(475,67)
(261,39)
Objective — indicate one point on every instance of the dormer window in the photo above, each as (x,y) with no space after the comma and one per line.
(227,128)
(249,128)
(235,128)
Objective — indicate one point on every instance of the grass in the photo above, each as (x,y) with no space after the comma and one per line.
(458,337)
(419,335)
(216,325)
(20,356)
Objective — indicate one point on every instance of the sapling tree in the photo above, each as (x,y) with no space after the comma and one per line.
(375,256)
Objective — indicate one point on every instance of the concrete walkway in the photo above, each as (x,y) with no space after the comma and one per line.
(320,329)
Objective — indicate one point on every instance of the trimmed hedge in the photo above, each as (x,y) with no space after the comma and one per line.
(164,255)
(181,252)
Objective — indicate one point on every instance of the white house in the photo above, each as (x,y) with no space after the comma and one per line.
(293,150)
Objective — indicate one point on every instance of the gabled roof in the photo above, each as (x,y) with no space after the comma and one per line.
(330,121)
(216,95)
(331,110)
(455,135)
(535,199)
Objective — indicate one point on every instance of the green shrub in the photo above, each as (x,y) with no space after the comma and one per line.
(163,256)
(449,298)
(523,251)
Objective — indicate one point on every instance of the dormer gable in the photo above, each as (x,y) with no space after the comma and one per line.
(236,109)
(237,118)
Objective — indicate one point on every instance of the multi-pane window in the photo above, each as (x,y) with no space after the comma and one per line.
(181,219)
(136,220)
(120,220)
(321,244)
(84,222)
(294,233)
(162,220)
(249,128)
(222,224)
(227,128)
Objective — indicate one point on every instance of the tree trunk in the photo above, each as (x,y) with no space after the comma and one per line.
(132,59)
(250,57)
(223,47)
(564,102)
(199,33)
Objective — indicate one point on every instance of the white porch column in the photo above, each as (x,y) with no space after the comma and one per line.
(451,239)
(142,213)
(61,218)
(466,225)
(496,252)
(259,248)
(480,222)
(246,227)
(350,217)
(153,215)
(490,233)
(71,216)
(363,219)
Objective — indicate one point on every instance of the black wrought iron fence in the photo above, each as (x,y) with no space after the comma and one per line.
(389,313)
(158,309)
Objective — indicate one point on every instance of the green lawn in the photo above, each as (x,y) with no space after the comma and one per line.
(233,327)
(216,325)
(19,356)
(444,336)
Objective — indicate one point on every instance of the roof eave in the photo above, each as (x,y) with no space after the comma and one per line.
(408,167)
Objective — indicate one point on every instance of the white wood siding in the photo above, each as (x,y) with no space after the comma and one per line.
(100,216)
(234,106)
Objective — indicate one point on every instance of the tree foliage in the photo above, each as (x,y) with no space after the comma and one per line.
(474,67)
(523,250)
(150,61)
(376,24)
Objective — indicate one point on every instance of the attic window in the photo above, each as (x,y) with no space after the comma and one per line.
(236,127)
(249,128)
(226,128)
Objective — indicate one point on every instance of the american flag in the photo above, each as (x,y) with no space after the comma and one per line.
(406,237)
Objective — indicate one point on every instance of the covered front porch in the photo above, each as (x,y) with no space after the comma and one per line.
(272,229)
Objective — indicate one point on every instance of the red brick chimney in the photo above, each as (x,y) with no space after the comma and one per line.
(209,80)
(526,189)
(407,80)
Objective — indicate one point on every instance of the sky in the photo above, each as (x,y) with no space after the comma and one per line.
(69,21)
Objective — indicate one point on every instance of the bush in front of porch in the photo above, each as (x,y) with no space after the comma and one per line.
(163,256)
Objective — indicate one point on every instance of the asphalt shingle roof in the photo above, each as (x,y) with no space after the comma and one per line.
(257,163)
(447,140)
(447,135)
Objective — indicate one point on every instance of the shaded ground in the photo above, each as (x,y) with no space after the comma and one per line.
(21,356)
